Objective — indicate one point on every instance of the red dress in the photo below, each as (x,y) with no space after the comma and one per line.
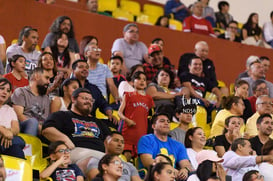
(137,109)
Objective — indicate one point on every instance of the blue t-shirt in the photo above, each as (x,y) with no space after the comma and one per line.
(67,174)
(150,144)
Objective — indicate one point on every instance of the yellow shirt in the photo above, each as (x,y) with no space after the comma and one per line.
(219,123)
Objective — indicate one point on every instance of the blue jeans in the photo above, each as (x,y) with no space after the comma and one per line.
(16,149)
(30,126)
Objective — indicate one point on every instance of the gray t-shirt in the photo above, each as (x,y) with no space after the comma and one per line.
(73,45)
(251,81)
(132,53)
(128,169)
(158,102)
(34,106)
(31,58)
(178,134)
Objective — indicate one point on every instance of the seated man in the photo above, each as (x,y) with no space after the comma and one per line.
(156,56)
(263,106)
(114,144)
(62,24)
(196,23)
(31,103)
(264,126)
(25,47)
(231,32)
(249,61)
(240,159)
(92,7)
(256,72)
(197,84)
(99,74)
(201,49)
(258,88)
(77,129)
(80,72)
(153,144)
(130,48)
(177,8)
(223,18)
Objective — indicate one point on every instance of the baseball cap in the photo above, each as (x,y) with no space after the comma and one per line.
(208,155)
(154,48)
(251,59)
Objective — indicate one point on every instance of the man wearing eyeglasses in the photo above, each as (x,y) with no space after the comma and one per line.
(256,72)
(263,106)
(129,48)
(80,131)
(114,144)
(231,32)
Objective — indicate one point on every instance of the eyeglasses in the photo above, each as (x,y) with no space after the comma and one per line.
(265,103)
(63,151)
(262,89)
(232,27)
(87,99)
(96,49)
(132,31)
(117,162)
(259,177)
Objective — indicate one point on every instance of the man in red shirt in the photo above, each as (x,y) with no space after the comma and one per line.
(196,23)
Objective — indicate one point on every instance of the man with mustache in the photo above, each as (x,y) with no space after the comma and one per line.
(114,144)
(80,131)
(63,24)
(25,47)
(31,103)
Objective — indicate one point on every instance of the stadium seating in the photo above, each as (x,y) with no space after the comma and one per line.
(33,152)
(17,169)
(175,25)
(107,5)
(123,15)
(153,10)
(146,19)
(131,6)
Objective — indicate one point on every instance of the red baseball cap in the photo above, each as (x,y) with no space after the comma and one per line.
(154,48)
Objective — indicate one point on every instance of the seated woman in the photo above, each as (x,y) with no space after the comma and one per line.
(16,76)
(110,168)
(162,21)
(233,106)
(195,141)
(161,92)
(231,132)
(47,62)
(241,90)
(11,144)
(62,55)
(67,88)
(161,171)
(251,33)
(88,39)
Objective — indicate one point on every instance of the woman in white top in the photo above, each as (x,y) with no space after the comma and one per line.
(266,168)
(11,144)
(195,141)
(67,88)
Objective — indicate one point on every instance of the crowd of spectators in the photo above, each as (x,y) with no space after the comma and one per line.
(56,93)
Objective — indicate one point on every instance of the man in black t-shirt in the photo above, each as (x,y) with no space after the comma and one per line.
(265,127)
(197,84)
(80,131)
